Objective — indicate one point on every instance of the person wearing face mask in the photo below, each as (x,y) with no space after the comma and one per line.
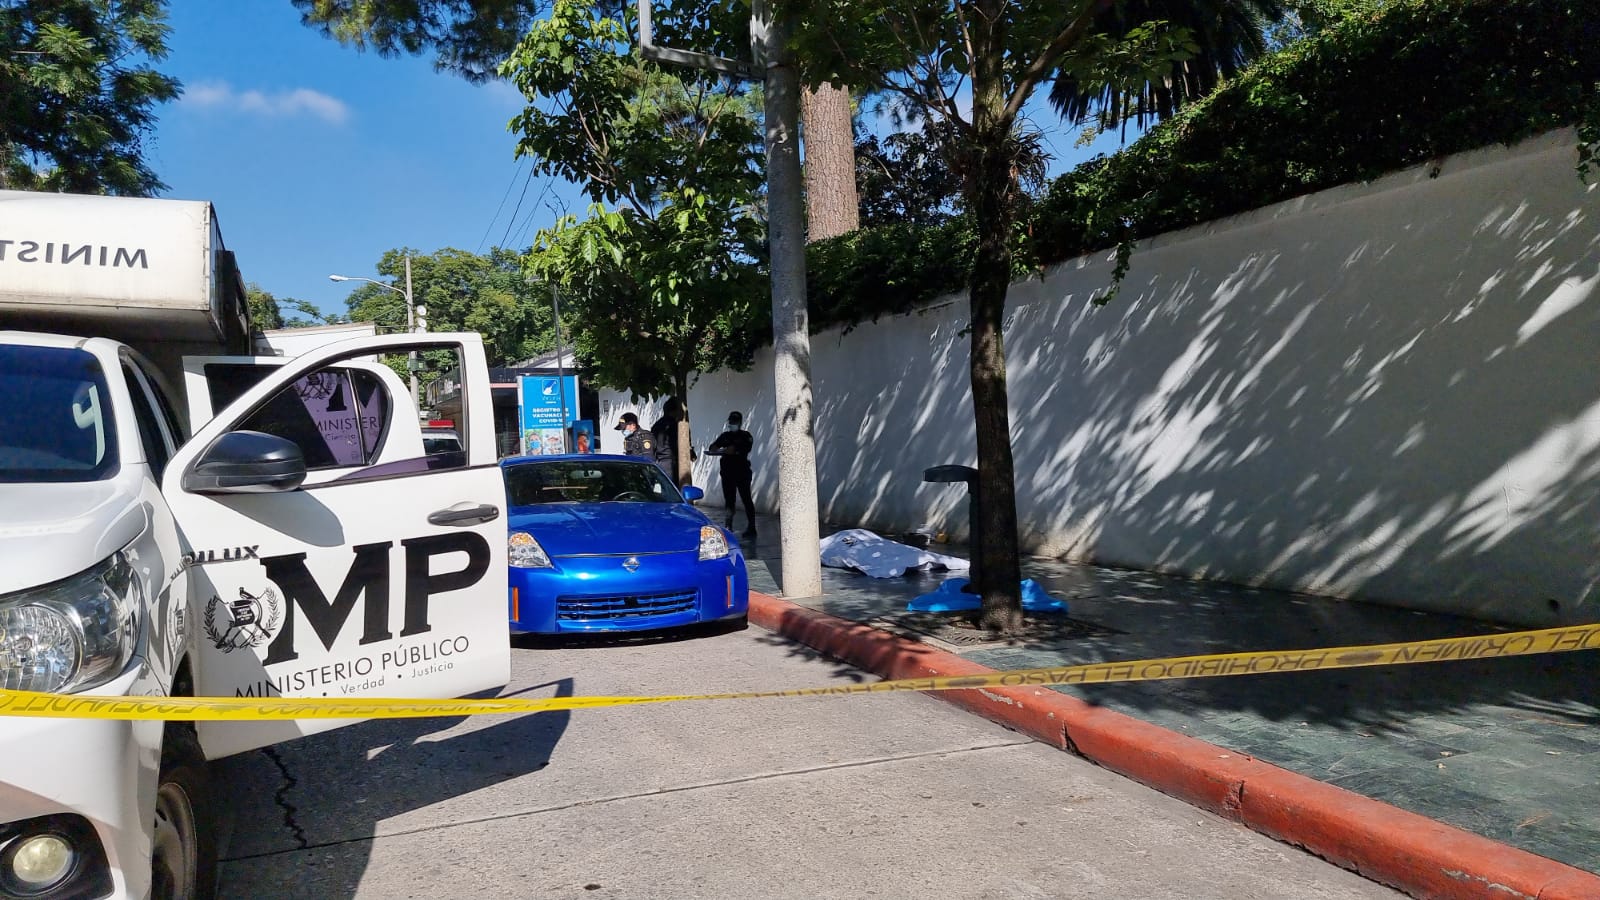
(733,446)
(634,441)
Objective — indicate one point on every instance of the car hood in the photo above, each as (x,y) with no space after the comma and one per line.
(575,529)
(51,531)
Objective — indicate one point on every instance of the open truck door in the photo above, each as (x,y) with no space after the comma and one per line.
(387,579)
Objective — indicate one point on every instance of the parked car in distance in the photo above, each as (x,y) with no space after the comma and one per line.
(607,543)
(440,440)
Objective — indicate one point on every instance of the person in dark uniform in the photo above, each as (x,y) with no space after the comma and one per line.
(734,446)
(665,433)
(634,441)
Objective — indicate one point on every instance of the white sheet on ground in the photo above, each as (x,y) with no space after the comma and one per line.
(880,557)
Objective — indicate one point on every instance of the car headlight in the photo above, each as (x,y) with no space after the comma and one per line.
(713,545)
(525,553)
(73,635)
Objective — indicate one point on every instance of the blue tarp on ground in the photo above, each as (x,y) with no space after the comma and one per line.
(950,598)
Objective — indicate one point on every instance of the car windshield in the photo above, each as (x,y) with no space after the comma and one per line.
(584,481)
(55,423)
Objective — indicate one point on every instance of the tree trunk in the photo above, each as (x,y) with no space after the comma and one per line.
(683,465)
(991,193)
(832,206)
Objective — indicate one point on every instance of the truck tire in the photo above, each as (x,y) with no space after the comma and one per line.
(183,854)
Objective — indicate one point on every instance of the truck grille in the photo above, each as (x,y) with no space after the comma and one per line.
(628,606)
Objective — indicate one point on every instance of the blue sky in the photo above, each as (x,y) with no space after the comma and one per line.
(319,158)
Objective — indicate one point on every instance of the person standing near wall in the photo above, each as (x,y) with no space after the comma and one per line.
(734,446)
(634,441)
(665,433)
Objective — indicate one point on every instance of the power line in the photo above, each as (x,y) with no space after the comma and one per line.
(526,223)
(503,198)
(518,208)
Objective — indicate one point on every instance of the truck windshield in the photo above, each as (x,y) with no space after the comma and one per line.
(55,416)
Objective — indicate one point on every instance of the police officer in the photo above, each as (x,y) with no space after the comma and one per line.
(734,446)
(634,441)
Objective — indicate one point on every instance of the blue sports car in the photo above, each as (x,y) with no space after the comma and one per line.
(608,543)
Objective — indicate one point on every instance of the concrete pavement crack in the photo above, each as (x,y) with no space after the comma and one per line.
(282,799)
(616,798)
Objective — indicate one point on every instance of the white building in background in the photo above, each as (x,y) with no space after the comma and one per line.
(291,342)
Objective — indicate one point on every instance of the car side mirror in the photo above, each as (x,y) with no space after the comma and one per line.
(692,493)
(247,462)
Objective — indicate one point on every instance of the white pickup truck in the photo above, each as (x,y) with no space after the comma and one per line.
(298,543)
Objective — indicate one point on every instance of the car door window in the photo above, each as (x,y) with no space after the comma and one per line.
(156,449)
(319,412)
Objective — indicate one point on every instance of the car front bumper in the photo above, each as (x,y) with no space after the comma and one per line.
(103,771)
(587,594)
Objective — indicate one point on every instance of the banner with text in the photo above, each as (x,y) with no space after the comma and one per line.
(546,405)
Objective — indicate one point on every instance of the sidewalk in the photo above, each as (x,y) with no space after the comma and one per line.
(1508,749)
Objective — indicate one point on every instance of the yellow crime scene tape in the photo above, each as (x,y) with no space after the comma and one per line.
(220,709)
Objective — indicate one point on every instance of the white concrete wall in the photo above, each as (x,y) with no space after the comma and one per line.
(1389,391)
(292,342)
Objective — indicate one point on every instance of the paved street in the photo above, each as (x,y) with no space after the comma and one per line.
(1506,748)
(884,796)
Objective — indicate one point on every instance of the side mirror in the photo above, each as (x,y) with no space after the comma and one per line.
(692,493)
(247,462)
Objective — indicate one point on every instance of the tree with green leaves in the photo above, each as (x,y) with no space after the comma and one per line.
(905,180)
(471,39)
(1224,37)
(461,291)
(266,310)
(662,274)
(928,57)
(78,94)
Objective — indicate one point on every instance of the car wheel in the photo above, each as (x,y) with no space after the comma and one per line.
(183,854)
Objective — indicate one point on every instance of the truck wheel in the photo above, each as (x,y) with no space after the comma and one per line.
(183,854)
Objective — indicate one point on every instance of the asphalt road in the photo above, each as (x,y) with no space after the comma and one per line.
(870,796)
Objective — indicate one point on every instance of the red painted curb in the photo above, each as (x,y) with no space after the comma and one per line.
(1416,854)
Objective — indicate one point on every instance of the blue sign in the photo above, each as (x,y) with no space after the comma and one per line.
(543,419)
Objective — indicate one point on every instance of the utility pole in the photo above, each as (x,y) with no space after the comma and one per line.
(799,535)
(411,328)
(561,373)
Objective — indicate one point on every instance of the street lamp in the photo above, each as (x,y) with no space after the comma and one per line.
(412,312)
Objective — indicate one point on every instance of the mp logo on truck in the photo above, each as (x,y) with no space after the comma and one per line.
(67,254)
(260,617)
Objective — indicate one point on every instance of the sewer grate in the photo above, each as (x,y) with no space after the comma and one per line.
(958,631)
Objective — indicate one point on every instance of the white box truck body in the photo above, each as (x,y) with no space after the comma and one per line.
(299,543)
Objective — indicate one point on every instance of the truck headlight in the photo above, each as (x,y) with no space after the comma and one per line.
(713,544)
(524,552)
(72,635)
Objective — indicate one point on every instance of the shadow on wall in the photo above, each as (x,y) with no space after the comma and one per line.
(1391,394)
(1387,391)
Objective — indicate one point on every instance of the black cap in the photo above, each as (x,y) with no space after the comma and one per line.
(626,420)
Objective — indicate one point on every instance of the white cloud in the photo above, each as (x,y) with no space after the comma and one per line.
(293,102)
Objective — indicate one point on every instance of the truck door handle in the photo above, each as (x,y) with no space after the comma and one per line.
(471,515)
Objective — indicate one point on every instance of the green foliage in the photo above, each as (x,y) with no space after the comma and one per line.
(891,269)
(1319,113)
(77,96)
(662,275)
(462,291)
(1328,110)
(905,178)
(266,310)
(654,298)
(1132,80)
(470,38)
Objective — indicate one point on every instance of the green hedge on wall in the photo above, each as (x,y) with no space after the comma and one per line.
(1425,79)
